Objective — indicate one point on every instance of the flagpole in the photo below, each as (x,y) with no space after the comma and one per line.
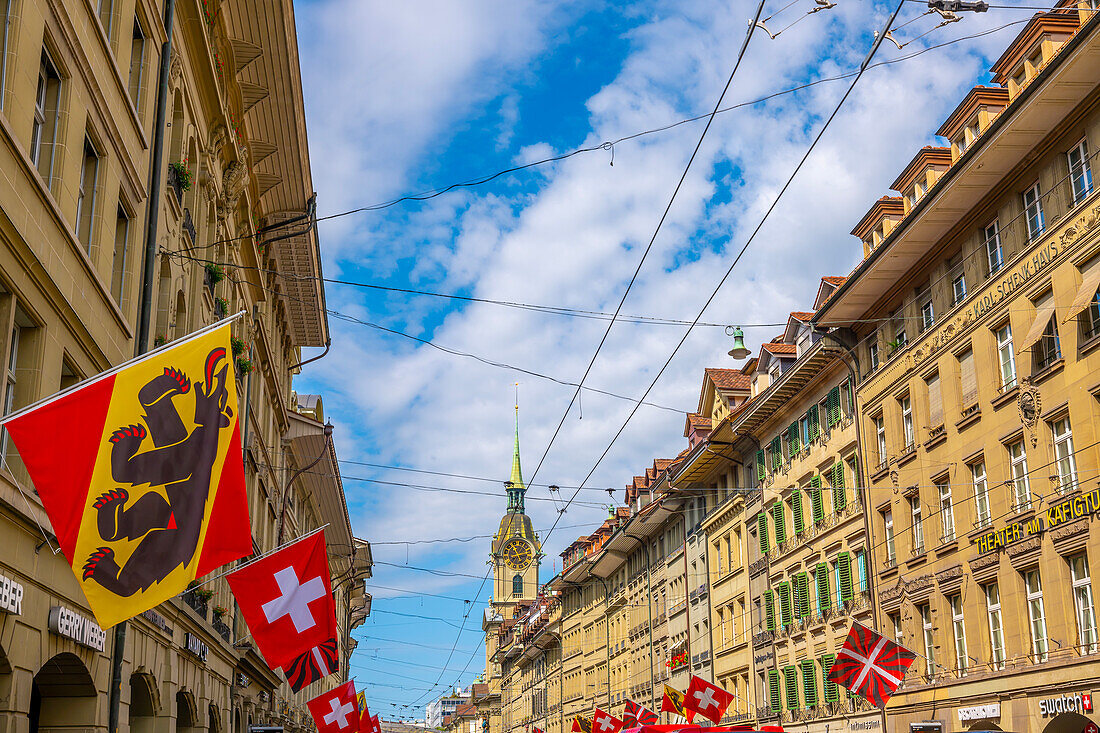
(212,578)
(119,367)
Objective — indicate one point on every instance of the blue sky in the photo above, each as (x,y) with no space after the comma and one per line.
(409,97)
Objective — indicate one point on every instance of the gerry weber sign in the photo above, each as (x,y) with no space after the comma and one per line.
(80,629)
(1067,511)
(11,596)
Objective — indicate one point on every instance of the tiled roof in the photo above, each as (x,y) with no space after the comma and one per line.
(835,279)
(698,422)
(801,315)
(728,378)
(783,349)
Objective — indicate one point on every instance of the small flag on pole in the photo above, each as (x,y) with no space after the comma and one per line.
(605,722)
(582,724)
(634,715)
(141,473)
(673,701)
(708,700)
(336,711)
(870,665)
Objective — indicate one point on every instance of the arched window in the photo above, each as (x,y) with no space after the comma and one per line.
(517,585)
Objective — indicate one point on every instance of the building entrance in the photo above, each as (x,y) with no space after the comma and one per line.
(1069,723)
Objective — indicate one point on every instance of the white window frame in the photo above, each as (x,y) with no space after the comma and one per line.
(888,530)
(1080,171)
(1033,212)
(907,420)
(1021,494)
(880,435)
(899,633)
(1065,461)
(958,288)
(9,388)
(1036,614)
(918,524)
(872,351)
(1007,357)
(947,511)
(929,640)
(1083,605)
(994,254)
(981,493)
(996,626)
(958,628)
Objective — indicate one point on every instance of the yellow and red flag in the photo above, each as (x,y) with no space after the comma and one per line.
(141,474)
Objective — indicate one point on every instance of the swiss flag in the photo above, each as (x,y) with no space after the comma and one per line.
(605,722)
(375,726)
(336,711)
(708,700)
(286,600)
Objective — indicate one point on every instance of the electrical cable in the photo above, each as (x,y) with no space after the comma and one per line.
(877,42)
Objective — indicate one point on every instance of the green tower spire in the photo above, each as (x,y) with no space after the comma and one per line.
(515,486)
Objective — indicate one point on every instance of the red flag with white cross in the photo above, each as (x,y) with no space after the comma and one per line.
(605,722)
(870,665)
(708,700)
(336,711)
(375,726)
(286,600)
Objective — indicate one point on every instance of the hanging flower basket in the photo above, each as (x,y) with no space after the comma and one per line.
(182,173)
(159,341)
(214,273)
(220,611)
(244,366)
(238,345)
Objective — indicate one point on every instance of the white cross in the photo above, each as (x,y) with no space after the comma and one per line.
(294,600)
(868,663)
(705,698)
(605,723)
(339,714)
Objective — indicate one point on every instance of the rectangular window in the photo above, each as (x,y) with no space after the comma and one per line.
(918,524)
(935,400)
(957,275)
(47,104)
(861,570)
(958,627)
(104,11)
(844,576)
(880,438)
(996,629)
(888,523)
(900,336)
(899,635)
(947,510)
(1036,615)
(907,420)
(801,595)
(981,493)
(836,478)
(832,692)
(790,682)
(786,615)
(796,512)
(86,195)
(1033,211)
(809,682)
(1064,456)
(821,581)
(119,271)
(929,641)
(991,235)
(1083,605)
(773,690)
(1007,357)
(968,381)
(872,351)
(1020,484)
(927,314)
(9,385)
(1080,171)
(137,65)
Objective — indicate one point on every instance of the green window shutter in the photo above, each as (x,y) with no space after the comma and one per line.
(792,436)
(780,522)
(822,577)
(817,507)
(809,682)
(832,406)
(844,562)
(762,530)
(790,681)
(802,594)
(832,694)
(784,591)
(773,690)
(840,499)
(812,422)
(769,610)
(777,452)
(761,467)
(796,511)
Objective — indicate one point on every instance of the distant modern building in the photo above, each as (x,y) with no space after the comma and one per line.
(441,708)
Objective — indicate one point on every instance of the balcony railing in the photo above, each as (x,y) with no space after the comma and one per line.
(222,628)
(196,602)
(189,225)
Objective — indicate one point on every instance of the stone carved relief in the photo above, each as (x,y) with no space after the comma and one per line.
(175,69)
(233,181)
(1030,404)
(1022,548)
(984,561)
(951,573)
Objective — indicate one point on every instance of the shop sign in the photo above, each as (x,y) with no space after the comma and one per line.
(156,620)
(927,726)
(80,629)
(195,645)
(11,596)
(764,658)
(1059,514)
(864,724)
(1080,702)
(980,712)
(1015,279)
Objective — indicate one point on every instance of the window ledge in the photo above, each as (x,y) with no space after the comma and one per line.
(908,454)
(1041,376)
(1088,345)
(936,436)
(946,548)
(1006,396)
(880,471)
(969,418)
(918,559)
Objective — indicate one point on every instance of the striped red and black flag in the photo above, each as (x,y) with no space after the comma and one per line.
(870,665)
(634,715)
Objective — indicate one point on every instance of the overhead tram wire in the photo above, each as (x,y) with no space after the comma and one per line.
(652,240)
(608,144)
(863,67)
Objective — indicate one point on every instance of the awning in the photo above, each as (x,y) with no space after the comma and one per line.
(1087,291)
(1043,313)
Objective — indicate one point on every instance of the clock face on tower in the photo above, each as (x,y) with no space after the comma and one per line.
(517,553)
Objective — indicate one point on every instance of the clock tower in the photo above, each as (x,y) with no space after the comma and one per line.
(516,550)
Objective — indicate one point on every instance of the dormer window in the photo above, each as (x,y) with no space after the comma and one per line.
(916,192)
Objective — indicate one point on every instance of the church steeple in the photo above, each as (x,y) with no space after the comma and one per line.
(515,486)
